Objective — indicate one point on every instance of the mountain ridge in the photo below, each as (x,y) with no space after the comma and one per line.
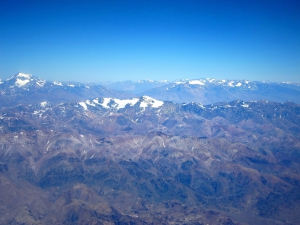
(204,91)
(24,88)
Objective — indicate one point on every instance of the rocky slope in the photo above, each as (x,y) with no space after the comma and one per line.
(143,161)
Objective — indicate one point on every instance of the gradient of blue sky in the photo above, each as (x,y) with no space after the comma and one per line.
(122,40)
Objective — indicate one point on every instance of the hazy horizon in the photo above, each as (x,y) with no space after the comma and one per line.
(154,80)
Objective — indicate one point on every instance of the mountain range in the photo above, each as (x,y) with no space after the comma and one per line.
(25,88)
(87,154)
(207,91)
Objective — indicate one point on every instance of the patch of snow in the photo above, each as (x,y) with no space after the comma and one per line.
(202,106)
(105,102)
(20,82)
(96,101)
(83,105)
(122,103)
(147,101)
(238,84)
(210,80)
(36,112)
(41,83)
(43,104)
(196,82)
(90,103)
(57,83)
(245,105)
(179,82)
(230,84)
(71,85)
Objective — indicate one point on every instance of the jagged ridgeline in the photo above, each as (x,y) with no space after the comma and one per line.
(138,160)
(25,88)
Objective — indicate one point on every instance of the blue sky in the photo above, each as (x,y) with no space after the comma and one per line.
(133,40)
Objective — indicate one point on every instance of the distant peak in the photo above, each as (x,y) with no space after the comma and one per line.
(20,76)
(23,79)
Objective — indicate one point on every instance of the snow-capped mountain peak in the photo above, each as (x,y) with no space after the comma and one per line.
(199,82)
(20,76)
(24,80)
(23,75)
(114,103)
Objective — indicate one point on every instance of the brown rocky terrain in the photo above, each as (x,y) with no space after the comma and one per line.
(225,163)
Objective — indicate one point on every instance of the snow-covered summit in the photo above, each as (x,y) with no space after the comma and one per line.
(114,103)
(150,102)
(23,75)
(21,79)
(24,80)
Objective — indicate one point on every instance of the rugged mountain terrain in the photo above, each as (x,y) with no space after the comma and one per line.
(208,91)
(144,161)
(25,88)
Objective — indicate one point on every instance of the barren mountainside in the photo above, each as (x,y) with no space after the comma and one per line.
(144,161)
